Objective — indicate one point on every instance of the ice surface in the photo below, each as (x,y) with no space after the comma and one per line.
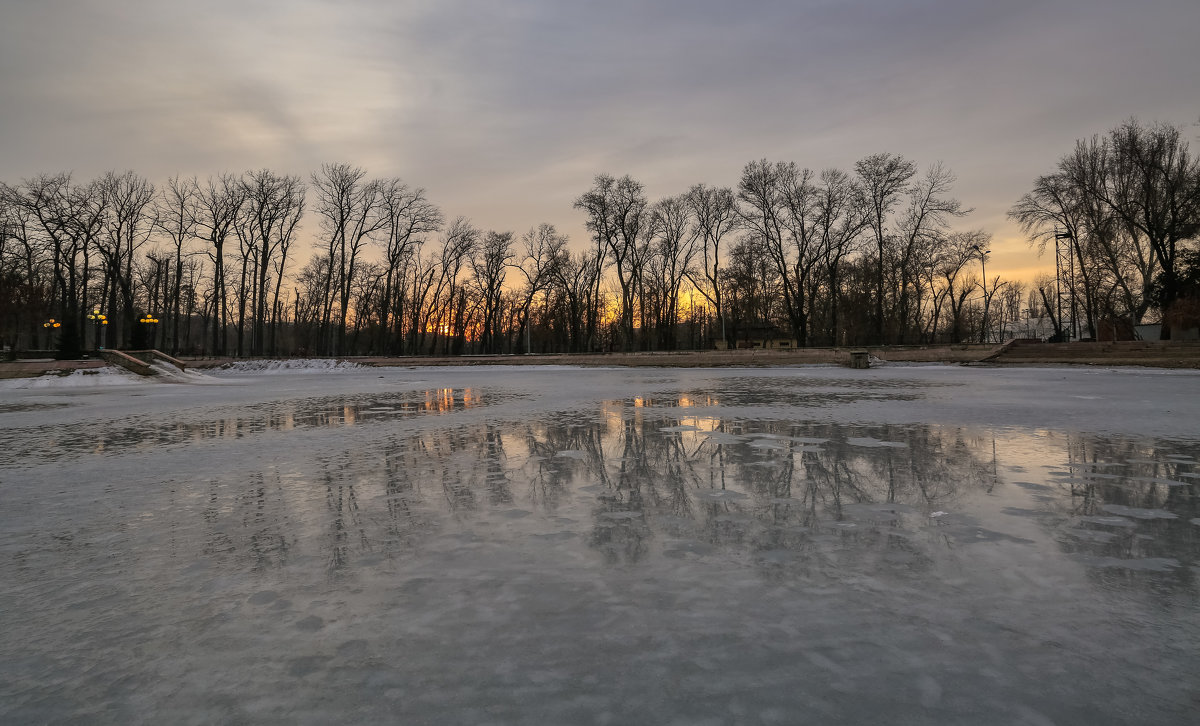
(1139,513)
(874,443)
(514,545)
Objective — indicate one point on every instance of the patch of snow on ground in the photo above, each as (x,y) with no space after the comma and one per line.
(85,378)
(169,373)
(314,365)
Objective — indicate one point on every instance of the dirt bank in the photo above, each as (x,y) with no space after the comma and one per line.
(1158,354)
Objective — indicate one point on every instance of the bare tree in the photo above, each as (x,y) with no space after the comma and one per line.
(127,225)
(576,283)
(154,273)
(1154,187)
(409,217)
(673,236)
(615,211)
(841,216)
(175,217)
(753,284)
(1128,203)
(38,218)
(351,208)
(489,263)
(65,221)
(884,178)
(1150,181)
(218,203)
(771,194)
(957,283)
(440,296)
(920,237)
(544,249)
(274,206)
(715,212)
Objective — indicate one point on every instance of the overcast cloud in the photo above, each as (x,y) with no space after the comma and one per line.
(505,111)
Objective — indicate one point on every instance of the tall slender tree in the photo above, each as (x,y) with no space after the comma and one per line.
(218,204)
(884,178)
(615,210)
(715,212)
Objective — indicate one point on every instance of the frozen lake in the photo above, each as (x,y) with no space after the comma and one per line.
(603,546)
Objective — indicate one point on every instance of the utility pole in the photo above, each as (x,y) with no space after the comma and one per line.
(983,270)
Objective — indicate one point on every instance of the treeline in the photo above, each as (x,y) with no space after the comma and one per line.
(1125,209)
(787,256)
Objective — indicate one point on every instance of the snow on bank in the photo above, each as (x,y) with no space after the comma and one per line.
(168,373)
(311,365)
(85,378)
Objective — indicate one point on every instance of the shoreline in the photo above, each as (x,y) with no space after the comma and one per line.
(1153,354)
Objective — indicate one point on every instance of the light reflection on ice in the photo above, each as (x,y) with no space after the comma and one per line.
(316,412)
(453,553)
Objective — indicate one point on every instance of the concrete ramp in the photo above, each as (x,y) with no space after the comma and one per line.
(150,356)
(1001,350)
(128,362)
(150,363)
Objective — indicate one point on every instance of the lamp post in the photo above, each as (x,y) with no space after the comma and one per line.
(99,321)
(983,270)
(149,320)
(51,325)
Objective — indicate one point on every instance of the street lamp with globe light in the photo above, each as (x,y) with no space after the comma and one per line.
(148,320)
(51,326)
(99,321)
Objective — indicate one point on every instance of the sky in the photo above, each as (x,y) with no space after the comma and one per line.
(506,111)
